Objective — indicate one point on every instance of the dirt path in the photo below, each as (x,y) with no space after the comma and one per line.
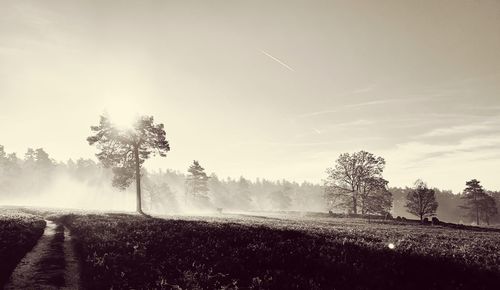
(51,264)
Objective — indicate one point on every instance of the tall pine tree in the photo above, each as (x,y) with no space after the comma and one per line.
(197,185)
(478,203)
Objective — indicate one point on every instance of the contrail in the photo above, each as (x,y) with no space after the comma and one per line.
(277,60)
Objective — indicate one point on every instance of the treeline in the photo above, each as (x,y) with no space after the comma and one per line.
(355,186)
(452,207)
(164,191)
(168,191)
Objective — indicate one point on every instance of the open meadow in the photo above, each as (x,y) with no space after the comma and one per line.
(243,251)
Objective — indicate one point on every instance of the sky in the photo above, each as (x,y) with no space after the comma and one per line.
(270,89)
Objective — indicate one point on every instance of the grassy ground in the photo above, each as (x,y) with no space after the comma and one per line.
(19,232)
(129,251)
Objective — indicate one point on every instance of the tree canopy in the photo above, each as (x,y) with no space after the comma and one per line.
(478,203)
(356,182)
(197,185)
(421,200)
(125,149)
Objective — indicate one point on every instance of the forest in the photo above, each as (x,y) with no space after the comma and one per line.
(37,179)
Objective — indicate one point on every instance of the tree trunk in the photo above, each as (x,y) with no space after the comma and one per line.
(138,180)
(354,205)
(477,215)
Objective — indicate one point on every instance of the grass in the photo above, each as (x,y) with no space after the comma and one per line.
(234,252)
(19,233)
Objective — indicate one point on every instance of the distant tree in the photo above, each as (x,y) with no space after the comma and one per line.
(375,196)
(280,199)
(478,203)
(421,201)
(10,173)
(42,159)
(38,166)
(197,184)
(29,156)
(488,208)
(4,163)
(356,182)
(161,196)
(378,199)
(243,197)
(3,154)
(220,193)
(125,150)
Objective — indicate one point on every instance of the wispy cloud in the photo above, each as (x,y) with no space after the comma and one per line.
(473,147)
(444,165)
(350,106)
(333,126)
(283,64)
(364,90)
(468,129)
(455,130)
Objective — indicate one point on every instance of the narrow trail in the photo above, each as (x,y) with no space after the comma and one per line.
(51,264)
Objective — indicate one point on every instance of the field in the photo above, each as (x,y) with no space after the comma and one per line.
(19,232)
(232,252)
(127,251)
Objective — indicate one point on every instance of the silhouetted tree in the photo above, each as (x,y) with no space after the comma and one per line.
(478,203)
(375,196)
(488,208)
(377,201)
(197,184)
(421,201)
(125,150)
(356,181)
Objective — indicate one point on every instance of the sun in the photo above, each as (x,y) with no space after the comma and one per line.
(123,117)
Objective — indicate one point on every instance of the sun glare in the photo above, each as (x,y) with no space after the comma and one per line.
(123,117)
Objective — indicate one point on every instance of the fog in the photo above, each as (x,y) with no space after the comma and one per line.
(64,191)
(37,180)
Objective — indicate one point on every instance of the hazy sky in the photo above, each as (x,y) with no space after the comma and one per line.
(274,89)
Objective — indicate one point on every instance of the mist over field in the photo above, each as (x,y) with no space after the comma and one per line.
(85,184)
(39,181)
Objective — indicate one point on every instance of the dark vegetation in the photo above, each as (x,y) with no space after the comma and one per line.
(421,201)
(19,232)
(355,185)
(127,251)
